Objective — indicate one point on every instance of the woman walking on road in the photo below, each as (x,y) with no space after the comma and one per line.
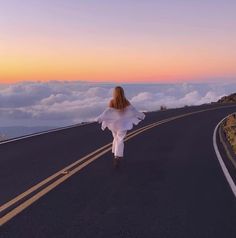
(119,117)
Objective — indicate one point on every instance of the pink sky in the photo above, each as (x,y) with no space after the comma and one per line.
(128,41)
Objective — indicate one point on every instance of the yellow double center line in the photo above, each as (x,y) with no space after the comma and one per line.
(25,199)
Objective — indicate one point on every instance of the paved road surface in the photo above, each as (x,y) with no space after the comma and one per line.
(170,183)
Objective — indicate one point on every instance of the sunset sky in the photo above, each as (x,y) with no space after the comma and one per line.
(125,41)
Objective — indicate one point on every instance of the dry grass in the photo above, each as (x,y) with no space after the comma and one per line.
(229,128)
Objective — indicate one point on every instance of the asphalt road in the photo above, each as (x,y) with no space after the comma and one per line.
(170,183)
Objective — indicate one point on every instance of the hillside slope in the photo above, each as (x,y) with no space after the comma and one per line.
(228,99)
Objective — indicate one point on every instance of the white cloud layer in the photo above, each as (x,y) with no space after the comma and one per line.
(62,103)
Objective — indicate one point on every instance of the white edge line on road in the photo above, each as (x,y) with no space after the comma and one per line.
(28,202)
(80,160)
(76,125)
(44,132)
(47,189)
(220,159)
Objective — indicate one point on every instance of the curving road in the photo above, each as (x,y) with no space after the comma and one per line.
(170,183)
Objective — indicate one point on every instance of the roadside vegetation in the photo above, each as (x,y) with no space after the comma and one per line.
(229,127)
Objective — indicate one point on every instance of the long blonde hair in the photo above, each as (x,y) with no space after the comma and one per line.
(119,100)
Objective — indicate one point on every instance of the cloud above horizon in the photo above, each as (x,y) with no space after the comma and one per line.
(57,103)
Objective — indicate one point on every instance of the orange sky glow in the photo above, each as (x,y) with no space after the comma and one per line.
(114,48)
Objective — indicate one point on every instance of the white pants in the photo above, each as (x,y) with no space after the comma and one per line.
(118,143)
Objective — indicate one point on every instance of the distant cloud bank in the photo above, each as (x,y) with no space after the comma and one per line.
(58,103)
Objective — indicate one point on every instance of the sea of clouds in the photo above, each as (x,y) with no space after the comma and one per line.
(60,103)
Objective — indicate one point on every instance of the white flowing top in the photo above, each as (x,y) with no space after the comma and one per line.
(120,120)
